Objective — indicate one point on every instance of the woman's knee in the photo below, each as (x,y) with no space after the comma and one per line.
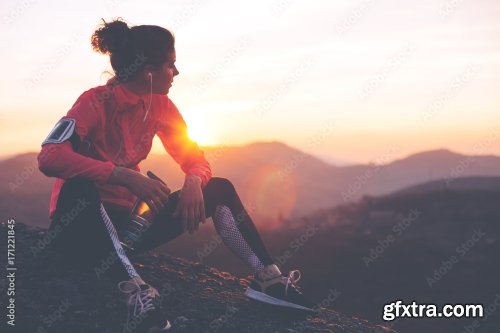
(218,191)
(79,185)
(221,184)
(77,195)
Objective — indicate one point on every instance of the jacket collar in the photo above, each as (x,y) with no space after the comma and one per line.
(125,97)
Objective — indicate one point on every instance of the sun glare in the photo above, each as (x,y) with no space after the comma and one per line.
(201,134)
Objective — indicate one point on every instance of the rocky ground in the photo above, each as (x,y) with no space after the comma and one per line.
(51,297)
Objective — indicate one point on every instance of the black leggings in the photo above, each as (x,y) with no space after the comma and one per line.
(86,230)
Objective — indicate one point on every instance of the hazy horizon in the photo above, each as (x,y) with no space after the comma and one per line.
(327,159)
(352,82)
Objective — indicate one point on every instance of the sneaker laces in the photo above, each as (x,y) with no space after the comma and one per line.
(292,280)
(142,299)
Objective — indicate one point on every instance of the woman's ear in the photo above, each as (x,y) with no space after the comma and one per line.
(148,72)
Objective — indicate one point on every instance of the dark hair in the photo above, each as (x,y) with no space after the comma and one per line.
(132,48)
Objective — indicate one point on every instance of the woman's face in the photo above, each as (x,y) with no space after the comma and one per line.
(164,76)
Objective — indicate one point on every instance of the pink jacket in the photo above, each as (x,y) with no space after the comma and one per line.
(109,122)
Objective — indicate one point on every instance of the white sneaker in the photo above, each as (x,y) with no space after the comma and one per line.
(143,308)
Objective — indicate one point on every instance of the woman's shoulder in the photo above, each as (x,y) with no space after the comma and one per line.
(98,97)
(163,103)
(168,112)
(167,104)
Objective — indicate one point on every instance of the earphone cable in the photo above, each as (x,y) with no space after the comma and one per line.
(150,96)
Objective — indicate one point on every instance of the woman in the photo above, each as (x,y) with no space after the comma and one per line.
(94,152)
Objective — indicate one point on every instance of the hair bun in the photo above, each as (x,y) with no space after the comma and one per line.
(111,36)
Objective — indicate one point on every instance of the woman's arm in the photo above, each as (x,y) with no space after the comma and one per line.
(58,157)
(61,161)
(192,161)
(152,191)
(186,152)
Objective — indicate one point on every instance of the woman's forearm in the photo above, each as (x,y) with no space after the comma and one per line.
(59,160)
(121,176)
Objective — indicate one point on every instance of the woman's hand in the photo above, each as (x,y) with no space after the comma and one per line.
(152,191)
(191,207)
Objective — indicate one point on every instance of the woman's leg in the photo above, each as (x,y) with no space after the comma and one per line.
(239,233)
(85,235)
(87,239)
(232,222)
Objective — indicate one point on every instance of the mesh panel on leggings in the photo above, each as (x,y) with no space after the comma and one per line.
(116,243)
(228,230)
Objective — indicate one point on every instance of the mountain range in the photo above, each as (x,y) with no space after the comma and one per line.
(275,181)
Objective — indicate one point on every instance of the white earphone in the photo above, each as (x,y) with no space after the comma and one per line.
(150,95)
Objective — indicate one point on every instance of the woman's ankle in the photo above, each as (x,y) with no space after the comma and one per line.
(137,280)
(269,272)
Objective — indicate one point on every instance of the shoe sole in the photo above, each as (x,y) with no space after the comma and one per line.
(159,330)
(261,297)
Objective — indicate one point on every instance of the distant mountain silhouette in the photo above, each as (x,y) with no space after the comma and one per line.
(24,191)
(283,182)
(275,181)
(431,165)
(332,160)
(466,183)
(53,298)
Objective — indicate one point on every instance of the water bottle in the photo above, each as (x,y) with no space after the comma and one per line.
(141,218)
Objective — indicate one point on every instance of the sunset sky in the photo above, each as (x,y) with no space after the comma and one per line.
(349,81)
